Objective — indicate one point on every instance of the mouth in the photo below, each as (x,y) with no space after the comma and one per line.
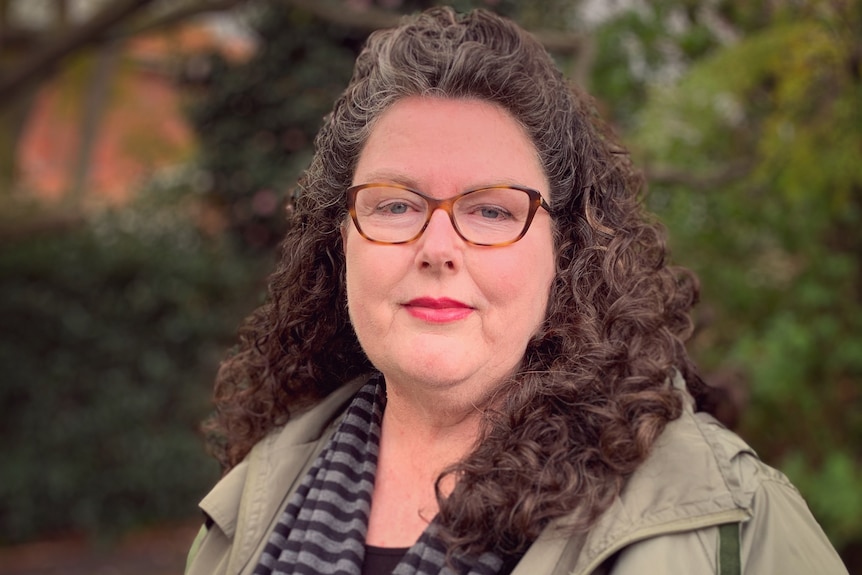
(437,310)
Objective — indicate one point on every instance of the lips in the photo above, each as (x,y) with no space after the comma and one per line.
(437,310)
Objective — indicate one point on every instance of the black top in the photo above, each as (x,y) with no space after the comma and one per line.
(382,560)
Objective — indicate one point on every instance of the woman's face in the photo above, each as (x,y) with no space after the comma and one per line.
(439,312)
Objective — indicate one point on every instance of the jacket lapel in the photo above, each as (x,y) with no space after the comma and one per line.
(247,502)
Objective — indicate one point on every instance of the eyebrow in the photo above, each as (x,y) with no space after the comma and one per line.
(389,176)
(386,176)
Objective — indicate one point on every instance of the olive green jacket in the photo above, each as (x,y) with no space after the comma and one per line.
(698,477)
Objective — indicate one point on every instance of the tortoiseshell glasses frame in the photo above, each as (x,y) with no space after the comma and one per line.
(482,235)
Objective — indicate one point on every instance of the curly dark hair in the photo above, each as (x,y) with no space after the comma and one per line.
(593,391)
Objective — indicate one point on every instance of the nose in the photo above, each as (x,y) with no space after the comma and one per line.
(440,246)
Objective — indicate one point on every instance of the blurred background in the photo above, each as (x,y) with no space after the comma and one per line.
(146,151)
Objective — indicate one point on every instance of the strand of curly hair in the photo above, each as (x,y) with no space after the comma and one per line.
(593,391)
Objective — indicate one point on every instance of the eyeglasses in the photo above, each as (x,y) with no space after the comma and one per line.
(393,214)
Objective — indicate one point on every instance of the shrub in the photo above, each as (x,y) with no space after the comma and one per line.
(111,337)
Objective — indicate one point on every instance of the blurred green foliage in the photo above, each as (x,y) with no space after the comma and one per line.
(257,120)
(754,139)
(111,337)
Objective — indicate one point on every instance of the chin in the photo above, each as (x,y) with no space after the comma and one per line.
(427,377)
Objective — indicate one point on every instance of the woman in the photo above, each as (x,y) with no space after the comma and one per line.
(472,356)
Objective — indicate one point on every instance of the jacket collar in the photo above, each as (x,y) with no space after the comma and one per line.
(247,501)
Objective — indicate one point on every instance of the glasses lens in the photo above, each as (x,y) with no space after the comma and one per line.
(493,215)
(389,214)
(488,216)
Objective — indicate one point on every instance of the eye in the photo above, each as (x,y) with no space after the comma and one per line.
(492,212)
(394,207)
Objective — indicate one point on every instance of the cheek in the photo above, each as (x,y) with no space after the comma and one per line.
(362,263)
(360,298)
(519,286)
(371,272)
(536,282)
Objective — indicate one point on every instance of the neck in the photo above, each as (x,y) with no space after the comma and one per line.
(433,411)
(446,428)
(426,429)
(419,438)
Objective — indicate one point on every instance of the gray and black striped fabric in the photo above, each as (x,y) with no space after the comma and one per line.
(322,529)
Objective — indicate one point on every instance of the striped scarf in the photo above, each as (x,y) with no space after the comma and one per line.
(323,527)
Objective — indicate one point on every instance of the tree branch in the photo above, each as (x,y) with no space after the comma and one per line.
(667,176)
(76,38)
(178,16)
(15,39)
(98,29)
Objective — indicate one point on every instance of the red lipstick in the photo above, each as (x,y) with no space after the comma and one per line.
(437,310)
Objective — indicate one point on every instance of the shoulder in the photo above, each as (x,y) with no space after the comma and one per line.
(698,477)
(242,506)
(706,475)
(276,455)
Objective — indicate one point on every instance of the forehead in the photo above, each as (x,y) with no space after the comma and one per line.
(434,143)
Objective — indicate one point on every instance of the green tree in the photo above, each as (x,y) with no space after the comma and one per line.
(747,115)
(256,120)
